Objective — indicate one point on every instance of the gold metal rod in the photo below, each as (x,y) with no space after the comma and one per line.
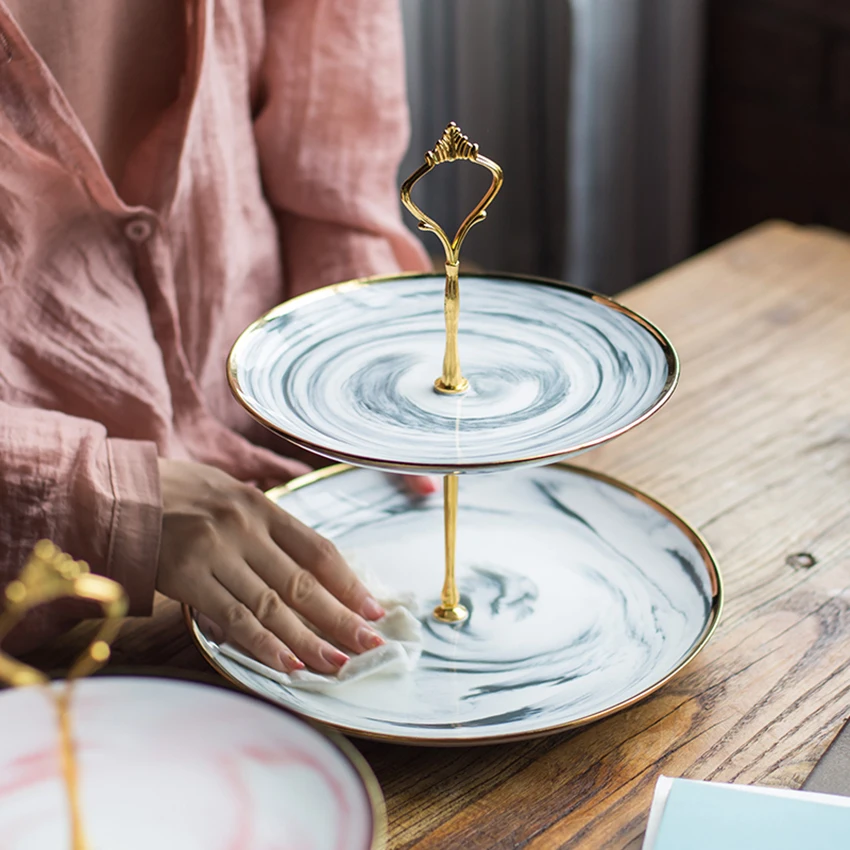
(450,610)
(452,380)
(69,767)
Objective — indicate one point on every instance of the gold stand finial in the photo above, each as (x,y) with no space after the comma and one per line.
(51,574)
(452,146)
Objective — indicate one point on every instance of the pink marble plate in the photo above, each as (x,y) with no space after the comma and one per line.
(173,764)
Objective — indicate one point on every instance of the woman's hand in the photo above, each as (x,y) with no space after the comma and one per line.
(419,485)
(254,570)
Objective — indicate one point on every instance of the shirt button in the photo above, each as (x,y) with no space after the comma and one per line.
(138,230)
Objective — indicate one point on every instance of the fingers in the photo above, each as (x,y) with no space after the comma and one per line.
(275,612)
(319,557)
(210,629)
(302,591)
(417,486)
(248,612)
(297,468)
(420,485)
(241,627)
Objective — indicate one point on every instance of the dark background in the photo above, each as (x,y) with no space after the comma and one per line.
(776,138)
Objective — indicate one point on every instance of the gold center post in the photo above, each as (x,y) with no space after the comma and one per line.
(453,145)
(450,610)
(452,380)
(69,767)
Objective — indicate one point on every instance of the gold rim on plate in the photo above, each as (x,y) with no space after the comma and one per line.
(708,629)
(670,356)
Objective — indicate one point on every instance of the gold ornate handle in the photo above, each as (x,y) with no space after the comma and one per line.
(451,147)
(51,574)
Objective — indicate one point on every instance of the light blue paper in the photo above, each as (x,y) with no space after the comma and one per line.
(716,816)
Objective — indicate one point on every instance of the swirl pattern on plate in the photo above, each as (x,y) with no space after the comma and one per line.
(349,372)
(583,596)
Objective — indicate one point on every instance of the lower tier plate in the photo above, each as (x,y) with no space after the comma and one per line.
(584,596)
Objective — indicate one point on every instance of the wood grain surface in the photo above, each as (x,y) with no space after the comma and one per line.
(754,450)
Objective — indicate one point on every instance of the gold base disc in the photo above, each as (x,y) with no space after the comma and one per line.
(452,614)
(441,387)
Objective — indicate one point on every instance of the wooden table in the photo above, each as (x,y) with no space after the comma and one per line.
(754,450)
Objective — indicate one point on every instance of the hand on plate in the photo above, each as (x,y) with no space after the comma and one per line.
(255,571)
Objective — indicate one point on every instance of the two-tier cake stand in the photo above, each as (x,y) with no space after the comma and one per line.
(566,595)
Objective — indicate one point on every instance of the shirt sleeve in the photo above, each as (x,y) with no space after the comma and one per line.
(96,498)
(331,131)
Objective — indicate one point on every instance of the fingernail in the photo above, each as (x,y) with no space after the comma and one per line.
(369,639)
(371,609)
(290,662)
(334,656)
(423,485)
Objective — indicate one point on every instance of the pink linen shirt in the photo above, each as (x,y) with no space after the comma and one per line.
(273,172)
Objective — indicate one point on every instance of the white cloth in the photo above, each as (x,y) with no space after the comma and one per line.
(400,628)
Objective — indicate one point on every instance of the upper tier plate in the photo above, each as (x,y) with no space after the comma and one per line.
(348,371)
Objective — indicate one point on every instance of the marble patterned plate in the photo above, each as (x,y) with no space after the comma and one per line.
(171,764)
(348,372)
(584,597)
